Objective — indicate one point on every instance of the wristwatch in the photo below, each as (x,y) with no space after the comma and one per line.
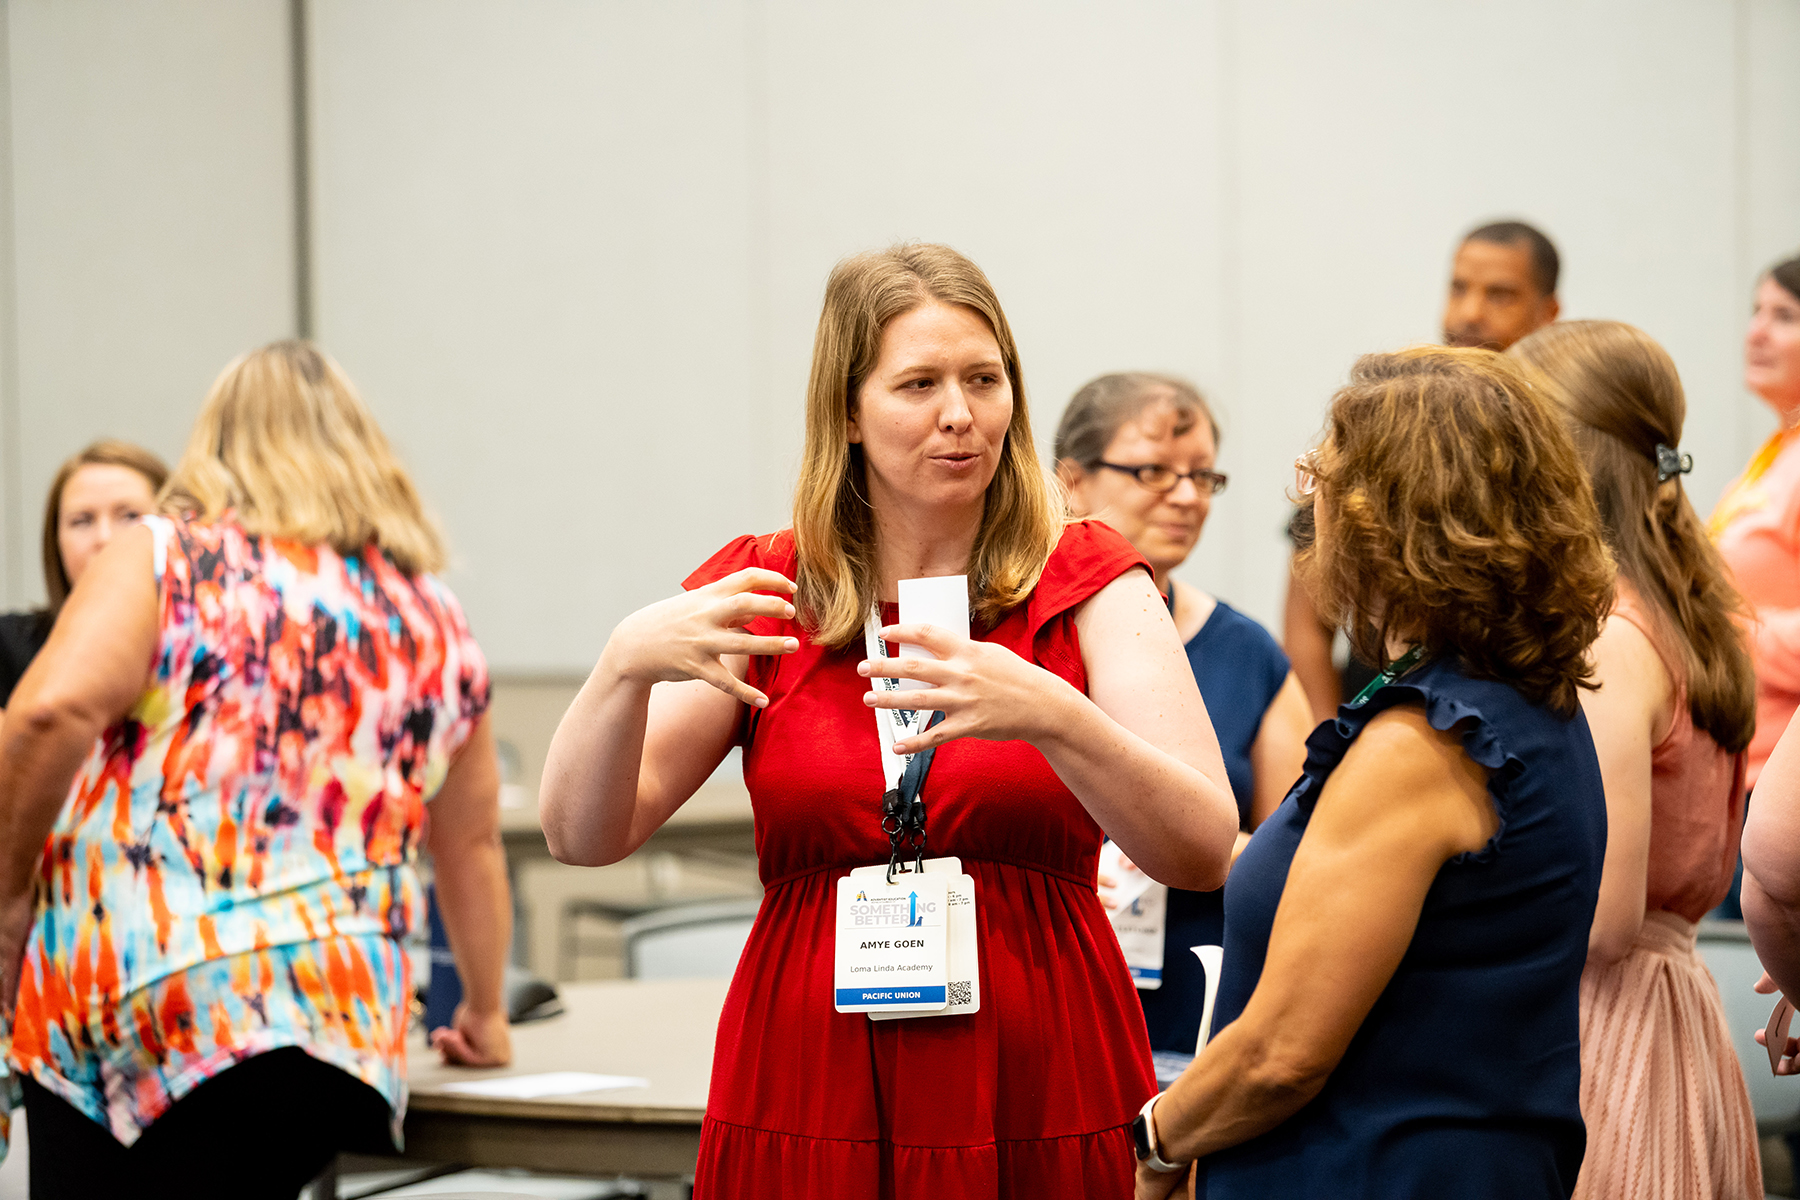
(1143,1135)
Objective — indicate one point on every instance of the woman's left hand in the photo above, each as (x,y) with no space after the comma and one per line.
(1787,1062)
(474,1039)
(983,690)
(1156,1185)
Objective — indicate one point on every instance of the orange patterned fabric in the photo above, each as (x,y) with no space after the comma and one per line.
(233,871)
(1757,528)
(1663,1096)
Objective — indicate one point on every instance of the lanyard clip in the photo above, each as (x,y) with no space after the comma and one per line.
(893,809)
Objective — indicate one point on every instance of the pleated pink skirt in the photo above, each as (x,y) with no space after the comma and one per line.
(1668,1117)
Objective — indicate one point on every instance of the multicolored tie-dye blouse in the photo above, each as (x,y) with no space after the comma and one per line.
(233,871)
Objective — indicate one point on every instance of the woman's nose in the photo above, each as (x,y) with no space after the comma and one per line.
(954,416)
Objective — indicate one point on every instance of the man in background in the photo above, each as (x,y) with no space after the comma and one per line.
(1502,287)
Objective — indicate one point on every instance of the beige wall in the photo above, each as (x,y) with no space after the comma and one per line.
(152,227)
(573,252)
(597,236)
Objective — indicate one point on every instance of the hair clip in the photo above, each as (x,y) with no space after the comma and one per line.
(1670,463)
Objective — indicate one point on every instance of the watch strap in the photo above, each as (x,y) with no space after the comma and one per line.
(1149,1150)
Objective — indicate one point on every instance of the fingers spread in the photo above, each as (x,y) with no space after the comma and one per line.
(935,638)
(747,606)
(929,698)
(947,730)
(732,686)
(763,645)
(920,670)
(757,579)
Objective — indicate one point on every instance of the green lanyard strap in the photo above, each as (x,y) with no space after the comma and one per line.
(1395,670)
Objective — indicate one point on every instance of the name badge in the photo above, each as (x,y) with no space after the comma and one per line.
(964,988)
(1141,926)
(892,943)
(1139,916)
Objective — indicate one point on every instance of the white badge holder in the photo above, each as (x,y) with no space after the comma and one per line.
(920,930)
(1139,915)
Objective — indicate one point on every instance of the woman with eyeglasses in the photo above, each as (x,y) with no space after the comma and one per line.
(1138,451)
(1404,938)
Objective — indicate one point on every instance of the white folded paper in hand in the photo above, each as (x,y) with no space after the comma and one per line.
(550,1083)
(940,600)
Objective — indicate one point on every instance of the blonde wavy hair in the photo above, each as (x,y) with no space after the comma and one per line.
(834,527)
(285,444)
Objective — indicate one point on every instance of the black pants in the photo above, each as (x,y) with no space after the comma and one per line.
(260,1130)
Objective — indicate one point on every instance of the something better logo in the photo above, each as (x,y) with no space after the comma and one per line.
(892,912)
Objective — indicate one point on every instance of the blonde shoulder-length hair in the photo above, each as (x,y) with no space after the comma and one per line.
(285,444)
(834,527)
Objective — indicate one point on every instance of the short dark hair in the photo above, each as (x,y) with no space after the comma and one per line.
(1787,274)
(1544,261)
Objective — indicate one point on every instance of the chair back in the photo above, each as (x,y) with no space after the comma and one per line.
(1725,948)
(688,941)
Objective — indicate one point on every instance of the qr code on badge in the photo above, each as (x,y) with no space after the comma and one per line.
(961,992)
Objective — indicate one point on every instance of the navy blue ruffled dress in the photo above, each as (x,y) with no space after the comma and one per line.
(1464,1080)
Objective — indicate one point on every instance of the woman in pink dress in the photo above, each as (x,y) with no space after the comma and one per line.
(1664,1100)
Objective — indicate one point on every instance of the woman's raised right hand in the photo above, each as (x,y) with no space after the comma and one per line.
(689,635)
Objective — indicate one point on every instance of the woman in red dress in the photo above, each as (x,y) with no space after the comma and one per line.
(1070,713)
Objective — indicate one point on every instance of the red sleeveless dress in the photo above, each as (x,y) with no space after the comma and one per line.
(1033,1095)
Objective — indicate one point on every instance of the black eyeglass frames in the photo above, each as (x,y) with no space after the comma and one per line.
(1158,478)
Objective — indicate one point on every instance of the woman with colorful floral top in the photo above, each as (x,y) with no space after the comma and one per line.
(213,788)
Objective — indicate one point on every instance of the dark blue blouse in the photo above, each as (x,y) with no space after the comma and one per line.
(1464,1079)
(1240,669)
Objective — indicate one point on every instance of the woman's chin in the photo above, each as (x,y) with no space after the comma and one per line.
(1781,397)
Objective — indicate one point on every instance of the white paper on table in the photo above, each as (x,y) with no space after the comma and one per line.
(940,600)
(550,1083)
(1128,882)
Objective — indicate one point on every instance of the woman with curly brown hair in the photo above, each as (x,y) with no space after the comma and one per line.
(1404,937)
(1667,1111)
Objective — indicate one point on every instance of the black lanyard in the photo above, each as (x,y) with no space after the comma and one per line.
(903,810)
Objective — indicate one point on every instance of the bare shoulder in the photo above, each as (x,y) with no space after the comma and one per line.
(1629,669)
(1129,603)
